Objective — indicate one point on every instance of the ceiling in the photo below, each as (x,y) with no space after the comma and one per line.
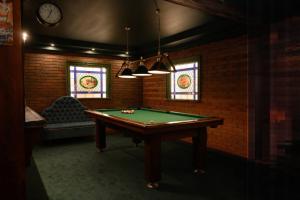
(100,24)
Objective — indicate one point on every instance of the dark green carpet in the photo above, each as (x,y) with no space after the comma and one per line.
(75,170)
(35,190)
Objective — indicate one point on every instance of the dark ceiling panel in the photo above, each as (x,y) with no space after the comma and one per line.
(100,24)
(103,21)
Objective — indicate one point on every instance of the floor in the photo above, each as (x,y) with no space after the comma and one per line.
(73,169)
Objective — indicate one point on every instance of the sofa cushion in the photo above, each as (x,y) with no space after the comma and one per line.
(70,125)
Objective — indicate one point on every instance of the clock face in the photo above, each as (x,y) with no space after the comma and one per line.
(49,14)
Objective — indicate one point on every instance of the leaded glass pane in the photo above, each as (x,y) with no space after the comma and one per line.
(104,82)
(88,82)
(184,82)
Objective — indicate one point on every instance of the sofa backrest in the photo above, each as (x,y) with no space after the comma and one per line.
(65,109)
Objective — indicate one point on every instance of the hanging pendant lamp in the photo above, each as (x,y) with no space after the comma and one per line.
(141,69)
(127,72)
(159,67)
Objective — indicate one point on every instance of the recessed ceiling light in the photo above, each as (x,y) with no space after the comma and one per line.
(52,44)
(25,36)
(51,48)
(122,55)
(93,49)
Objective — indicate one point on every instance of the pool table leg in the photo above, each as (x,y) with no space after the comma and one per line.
(100,136)
(153,161)
(200,150)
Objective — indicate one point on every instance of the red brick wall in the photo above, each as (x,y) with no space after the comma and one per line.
(223,89)
(224,92)
(45,80)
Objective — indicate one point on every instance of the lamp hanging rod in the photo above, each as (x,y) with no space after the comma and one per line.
(125,63)
(127,28)
(157,10)
(158,14)
(154,57)
(156,4)
(144,59)
(159,55)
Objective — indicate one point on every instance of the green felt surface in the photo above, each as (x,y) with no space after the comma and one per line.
(151,116)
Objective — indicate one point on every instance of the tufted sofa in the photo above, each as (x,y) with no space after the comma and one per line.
(65,119)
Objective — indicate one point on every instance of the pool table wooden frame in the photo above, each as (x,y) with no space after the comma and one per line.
(153,134)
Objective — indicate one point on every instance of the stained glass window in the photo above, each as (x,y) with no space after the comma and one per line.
(88,81)
(184,83)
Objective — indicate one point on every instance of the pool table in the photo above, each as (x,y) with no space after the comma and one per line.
(153,126)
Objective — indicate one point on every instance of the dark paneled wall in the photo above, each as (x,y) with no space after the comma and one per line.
(285,83)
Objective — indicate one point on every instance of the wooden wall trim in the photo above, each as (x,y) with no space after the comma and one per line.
(12,162)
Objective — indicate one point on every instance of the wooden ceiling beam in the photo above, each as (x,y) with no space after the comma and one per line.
(213,7)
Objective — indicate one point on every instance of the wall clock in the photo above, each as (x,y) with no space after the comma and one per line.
(49,14)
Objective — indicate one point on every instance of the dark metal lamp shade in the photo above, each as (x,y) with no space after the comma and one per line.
(126,73)
(141,71)
(159,68)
